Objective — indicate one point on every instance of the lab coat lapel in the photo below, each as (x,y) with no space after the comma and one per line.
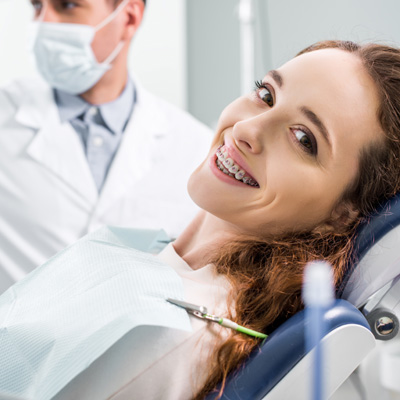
(134,157)
(56,146)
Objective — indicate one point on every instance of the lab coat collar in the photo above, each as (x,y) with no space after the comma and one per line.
(34,98)
(55,145)
(134,156)
(156,122)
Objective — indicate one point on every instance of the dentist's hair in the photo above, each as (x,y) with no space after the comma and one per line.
(266,274)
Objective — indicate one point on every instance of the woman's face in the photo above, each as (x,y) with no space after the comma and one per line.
(291,147)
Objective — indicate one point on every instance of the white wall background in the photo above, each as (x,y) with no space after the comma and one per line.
(311,20)
(14,58)
(187,51)
(158,55)
(283,27)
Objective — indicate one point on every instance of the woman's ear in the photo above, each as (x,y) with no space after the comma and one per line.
(344,215)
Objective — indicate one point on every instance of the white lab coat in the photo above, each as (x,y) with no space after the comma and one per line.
(48,198)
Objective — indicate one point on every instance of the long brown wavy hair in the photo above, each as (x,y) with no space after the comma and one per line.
(266,274)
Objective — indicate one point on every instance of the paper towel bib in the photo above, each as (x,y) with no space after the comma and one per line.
(68,312)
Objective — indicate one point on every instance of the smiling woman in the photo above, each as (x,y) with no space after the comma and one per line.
(298,136)
(293,169)
(319,140)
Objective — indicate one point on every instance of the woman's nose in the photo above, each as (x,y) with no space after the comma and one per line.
(249,135)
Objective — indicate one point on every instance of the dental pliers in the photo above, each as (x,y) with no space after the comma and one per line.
(202,312)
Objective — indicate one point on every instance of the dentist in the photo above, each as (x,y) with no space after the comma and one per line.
(88,145)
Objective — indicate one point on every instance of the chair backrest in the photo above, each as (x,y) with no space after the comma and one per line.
(377,255)
(263,372)
(377,251)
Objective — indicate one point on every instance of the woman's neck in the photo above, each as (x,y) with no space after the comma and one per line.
(202,237)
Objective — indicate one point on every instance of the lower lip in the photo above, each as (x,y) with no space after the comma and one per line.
(221,176)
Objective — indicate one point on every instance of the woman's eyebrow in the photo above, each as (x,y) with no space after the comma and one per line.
(277,77)
(310,115)
(317,121)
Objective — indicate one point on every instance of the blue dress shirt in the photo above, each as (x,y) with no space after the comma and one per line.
(100,127)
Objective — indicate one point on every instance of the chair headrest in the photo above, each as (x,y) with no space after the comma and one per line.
(377,254)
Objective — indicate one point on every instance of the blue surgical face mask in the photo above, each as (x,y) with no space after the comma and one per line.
(64,55)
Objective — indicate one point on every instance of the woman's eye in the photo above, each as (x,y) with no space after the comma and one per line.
(306,141)
(264,93)
(266,96)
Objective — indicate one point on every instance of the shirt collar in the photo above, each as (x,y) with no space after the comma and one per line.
(69,105)
(115,114)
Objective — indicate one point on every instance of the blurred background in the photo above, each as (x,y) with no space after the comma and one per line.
(201,55)
(188,51)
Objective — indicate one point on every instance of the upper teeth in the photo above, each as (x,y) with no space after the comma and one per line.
(228,166)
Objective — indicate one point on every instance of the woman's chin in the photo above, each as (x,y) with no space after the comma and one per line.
(197,193)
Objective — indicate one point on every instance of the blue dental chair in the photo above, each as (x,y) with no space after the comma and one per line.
(366,310)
